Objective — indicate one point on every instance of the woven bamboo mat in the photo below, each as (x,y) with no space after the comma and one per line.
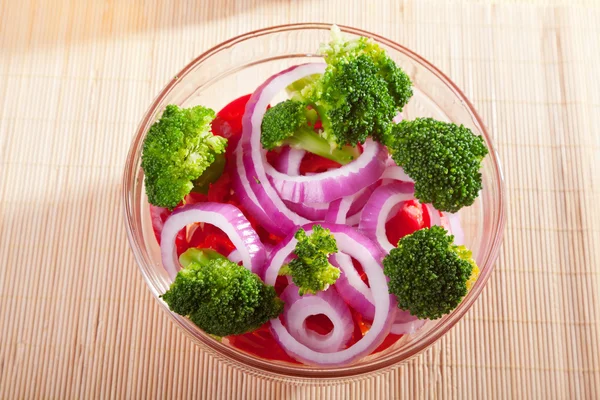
(76,319)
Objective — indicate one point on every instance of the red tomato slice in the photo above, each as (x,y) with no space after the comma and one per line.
(262,344)
(312,163)
(409,218)
(228,122)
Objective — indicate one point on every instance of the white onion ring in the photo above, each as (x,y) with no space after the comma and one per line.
(289,161)
(299,308)
(333,184)
(434,216)
(353,220)
(245,195)
(396,173)
(347,210)
(338,210)
(406,323)
(262,200)
(226,217)
(367,253)
(455,228)
(310,211)
(351,287)
(358,295)
(380,207)
(235,256)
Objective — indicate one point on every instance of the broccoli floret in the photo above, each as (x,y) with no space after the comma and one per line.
(428,274)
(357,97)
(221,297)
(178,148)
(311,270)
(360,93)
(287,123)
(442,158)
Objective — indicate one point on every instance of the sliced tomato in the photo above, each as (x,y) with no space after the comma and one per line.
(312,163)
(272,157)
(261,343)
(410,218)
(228,122)
(389,340)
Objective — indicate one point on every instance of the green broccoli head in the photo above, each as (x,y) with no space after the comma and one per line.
(428,274)
(311,270)
(361,91)
(442,158)
(219,296)
(282,121)
(178,148)
(357,97)
(291,123)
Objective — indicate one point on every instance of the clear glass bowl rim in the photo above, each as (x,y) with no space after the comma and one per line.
(264,367)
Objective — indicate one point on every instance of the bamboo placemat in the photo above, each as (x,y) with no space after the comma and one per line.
(76,319)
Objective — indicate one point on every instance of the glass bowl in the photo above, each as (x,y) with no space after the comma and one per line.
(236,67)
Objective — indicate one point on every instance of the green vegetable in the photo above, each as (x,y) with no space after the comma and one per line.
(210,175)
(442,158)
(428,274)
(357,97)
(221,297)
(287,123)
(311,270)
(360,93)
(178,149)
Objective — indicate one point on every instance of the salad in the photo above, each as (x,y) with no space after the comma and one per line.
(320,229)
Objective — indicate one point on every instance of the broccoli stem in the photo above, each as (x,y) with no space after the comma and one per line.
(307,139)
(200,256)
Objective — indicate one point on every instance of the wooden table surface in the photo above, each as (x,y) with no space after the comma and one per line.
(76,319)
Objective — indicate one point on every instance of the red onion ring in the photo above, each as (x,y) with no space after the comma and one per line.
(361,198)
(338,183)
(352,205)
(334,184)
(310,211)
(299,308)
(455,228)
(338,210)
(251,158)
(359,296)
(434,216)
(353,243)
(253,168)
(235,256)
(396,173)
(245,195)
(351,287)
(406,323)
(380,207)
(226,217)
(289,161)
(353,220)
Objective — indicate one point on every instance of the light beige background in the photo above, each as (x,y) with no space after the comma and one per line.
(76,320)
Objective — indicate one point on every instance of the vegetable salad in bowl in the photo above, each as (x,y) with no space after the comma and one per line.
(312,221)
